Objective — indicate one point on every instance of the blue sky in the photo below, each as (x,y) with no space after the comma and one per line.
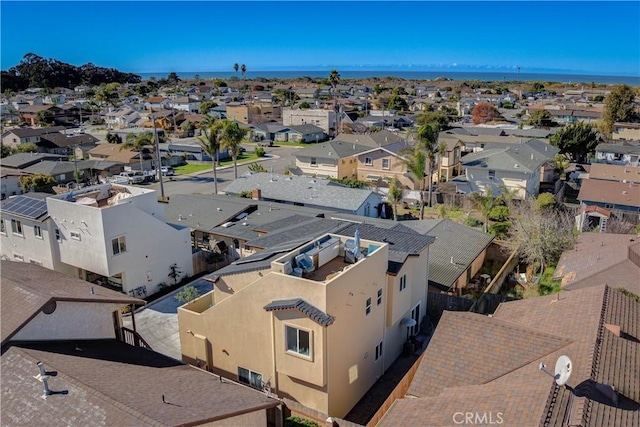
(152,36)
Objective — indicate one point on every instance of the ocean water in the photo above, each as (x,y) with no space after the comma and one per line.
(415,75)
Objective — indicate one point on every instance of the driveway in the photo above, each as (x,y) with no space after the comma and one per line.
(157,323)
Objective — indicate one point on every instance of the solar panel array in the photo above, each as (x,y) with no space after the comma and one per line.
(26,207)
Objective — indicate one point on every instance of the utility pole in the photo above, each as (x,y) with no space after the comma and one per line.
(158,161)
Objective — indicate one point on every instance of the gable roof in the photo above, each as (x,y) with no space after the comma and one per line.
(393,148)
(453,242)
(614,172)
(515,158)
(309,310)
(27,132)
(375,139)
(27,288)
(625,147)
(617,193)
(23,160)
(307,129)
(60,140)
(335,149)
(159,391)
(481,364)
(601,258)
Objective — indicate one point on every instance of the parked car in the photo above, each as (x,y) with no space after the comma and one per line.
(133,177)
(265,143)
(167,170)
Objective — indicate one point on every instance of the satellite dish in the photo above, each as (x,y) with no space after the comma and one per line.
(564,366)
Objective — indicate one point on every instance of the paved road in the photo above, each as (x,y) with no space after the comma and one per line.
(157,323)
(202,183)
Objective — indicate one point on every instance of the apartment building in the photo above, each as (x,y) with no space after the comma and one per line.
(325,119)
(113,235)
(319,323)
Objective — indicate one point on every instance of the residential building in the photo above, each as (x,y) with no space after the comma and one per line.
(109,234)
(15,137)
(24,160)
(185,103)
(65,358)
(115,153)
(157,103)
(374,139)
(29,114)
(303,191)
(384,164)
(626,131)
(519,346)
(612,195)
(619,173)
(324,119)
(59,143)
(300,133)
(10,181)
(619,153)
(449,165)
(321,331)
(254,113)
(123,117)
(601,258)
(335,159)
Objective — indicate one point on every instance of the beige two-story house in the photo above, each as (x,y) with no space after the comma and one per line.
(318,324)
(334,159)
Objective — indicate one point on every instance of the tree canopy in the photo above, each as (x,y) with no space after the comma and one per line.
(540,119)
(38,182)
(485,112)
(618,107)
(36,71)
(398,103)
(577,140)
(438,118)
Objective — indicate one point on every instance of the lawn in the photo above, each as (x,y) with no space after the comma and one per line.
(191,168)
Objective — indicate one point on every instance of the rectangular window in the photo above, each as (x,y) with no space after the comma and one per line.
(298,341)
(314,162)
(379,296)
(368,161)
(16,227)
(58,236)
(33,261)
(250,378)
(2,229)
(75,235)
(385,164)
(119,245)
(379,351)
(18,257)
(492,174)
(37,231)
(367,308)
(403,282)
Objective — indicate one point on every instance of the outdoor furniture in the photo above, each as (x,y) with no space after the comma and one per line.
(305,263)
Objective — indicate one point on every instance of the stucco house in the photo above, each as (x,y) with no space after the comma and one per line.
(320,326)
(108,234)
(335,159)
(619,153)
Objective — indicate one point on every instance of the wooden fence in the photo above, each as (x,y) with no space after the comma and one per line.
(437,303)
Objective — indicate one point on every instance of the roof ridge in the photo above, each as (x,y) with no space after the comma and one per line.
(70,378)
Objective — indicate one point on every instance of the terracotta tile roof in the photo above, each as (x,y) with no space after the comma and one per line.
(111,383)
(600,258)
(309,310)
(618,193)
(458,370)
(27,288)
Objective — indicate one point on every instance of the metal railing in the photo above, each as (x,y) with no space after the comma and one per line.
(131,337)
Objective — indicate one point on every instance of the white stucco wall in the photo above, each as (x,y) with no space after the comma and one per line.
(10,185)
(28,245)
(71,320)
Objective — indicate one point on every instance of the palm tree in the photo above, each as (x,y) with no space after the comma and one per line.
(210,143)
(232,136)
(334,80)
(484,203)
(428,141)
(395,197)
(415,160)
(137,142)
(243,70)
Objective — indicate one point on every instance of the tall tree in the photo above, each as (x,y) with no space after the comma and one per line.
(243,70)
(428,141)
(415,160)
(438,118)
(38,182)
(483,203)
(485,112)
(334,80)
(138,142)
(618,107)
(210,143)
(395,197)
(540,119)
(576,140)
(232,136)
(235,68)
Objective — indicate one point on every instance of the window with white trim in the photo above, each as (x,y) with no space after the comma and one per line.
(368,161)
(314,162)
(119,245)
(16,227)
(36,262)
(298,341)
(492,174)
(379,351)
(385,164)
(403,282)
(379,301)
(75,235)
(250,378)
(18,257)
(37,231)
(367,308)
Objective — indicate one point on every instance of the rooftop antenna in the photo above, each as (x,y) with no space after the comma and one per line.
(563,369)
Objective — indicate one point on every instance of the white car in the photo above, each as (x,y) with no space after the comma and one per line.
(167,170)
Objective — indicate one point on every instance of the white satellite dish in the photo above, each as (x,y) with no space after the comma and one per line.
(564,366)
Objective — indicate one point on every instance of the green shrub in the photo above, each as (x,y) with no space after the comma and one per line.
(299,422)
(500,229)
(260,152)
(472,222)
(546,201)
(499,213)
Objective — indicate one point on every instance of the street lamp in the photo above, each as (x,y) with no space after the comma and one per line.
(158,161)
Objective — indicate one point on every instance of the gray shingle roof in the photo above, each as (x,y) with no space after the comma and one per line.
(506,159)
(304,307)
(23,160)
(307,128)
(305,230)
(331,150)
(619,148)
(452,241)
(304,190)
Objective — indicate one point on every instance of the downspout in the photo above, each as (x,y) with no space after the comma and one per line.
(273,354)
(384,323)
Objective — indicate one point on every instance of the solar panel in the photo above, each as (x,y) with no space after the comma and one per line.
(26,207)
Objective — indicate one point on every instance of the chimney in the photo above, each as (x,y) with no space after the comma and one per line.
(45,386)
(256,194)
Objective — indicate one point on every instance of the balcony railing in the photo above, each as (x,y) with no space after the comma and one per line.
(131,337)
